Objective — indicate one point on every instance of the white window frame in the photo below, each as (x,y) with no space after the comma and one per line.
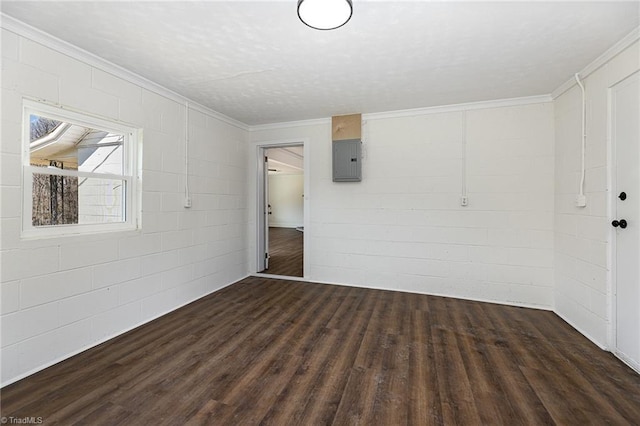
(131,172)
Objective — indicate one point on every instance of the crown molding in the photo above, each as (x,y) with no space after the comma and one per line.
(289,124)
(27,31)
(601,60)
(498,103)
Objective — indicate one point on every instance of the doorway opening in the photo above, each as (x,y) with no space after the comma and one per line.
(281,210)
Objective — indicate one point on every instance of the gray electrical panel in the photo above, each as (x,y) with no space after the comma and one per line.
(347,160)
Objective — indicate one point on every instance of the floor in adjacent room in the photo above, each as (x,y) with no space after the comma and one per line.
(266,351)
(285,252)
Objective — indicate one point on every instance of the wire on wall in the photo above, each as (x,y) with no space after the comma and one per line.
(581,199)
(187,193)
(464,199)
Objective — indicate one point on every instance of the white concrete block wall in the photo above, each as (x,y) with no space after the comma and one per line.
(403,227)
(62,295)
(583,235)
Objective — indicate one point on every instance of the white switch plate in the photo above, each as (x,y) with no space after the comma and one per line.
(187,202)
(464,200)
(581,201)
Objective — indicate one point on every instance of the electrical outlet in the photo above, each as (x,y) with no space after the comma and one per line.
(581,201)
(187,202)
(464,200)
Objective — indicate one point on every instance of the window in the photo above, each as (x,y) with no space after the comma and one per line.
(80,173)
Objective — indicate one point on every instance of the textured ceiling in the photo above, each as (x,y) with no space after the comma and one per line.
(289,160)
(257,63)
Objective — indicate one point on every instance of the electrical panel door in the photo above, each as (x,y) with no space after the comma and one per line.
(347,160)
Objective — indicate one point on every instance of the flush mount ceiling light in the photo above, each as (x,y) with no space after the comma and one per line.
(325,14)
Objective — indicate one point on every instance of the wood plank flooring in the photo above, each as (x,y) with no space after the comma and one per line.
(276,352)
(286,252)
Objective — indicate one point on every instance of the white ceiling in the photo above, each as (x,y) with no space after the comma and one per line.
(257,63)
(287,161)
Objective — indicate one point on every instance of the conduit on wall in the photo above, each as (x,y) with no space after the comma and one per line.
(464,199)
(187,193)
(581,199)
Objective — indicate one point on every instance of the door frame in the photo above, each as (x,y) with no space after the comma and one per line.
(261,148)
(611,213)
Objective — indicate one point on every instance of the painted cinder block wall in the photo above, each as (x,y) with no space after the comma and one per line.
(583,236)
(61,295)
(403,227)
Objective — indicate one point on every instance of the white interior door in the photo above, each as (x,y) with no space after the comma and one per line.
(262,218)
(267,211)
(625,104)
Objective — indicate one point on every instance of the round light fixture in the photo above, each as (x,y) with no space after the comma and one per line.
(325,14)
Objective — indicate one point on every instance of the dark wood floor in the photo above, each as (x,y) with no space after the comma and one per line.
(278,352)
(286,252)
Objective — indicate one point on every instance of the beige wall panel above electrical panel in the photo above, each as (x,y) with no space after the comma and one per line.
(346,127)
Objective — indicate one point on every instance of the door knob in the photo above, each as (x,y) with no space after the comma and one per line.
(623,196)
(621,223)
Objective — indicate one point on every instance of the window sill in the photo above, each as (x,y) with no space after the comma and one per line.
(35,237)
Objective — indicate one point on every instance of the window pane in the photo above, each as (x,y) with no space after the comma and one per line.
(74,147)
(62,200)
(41,126)
(55,200)
(101,200)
